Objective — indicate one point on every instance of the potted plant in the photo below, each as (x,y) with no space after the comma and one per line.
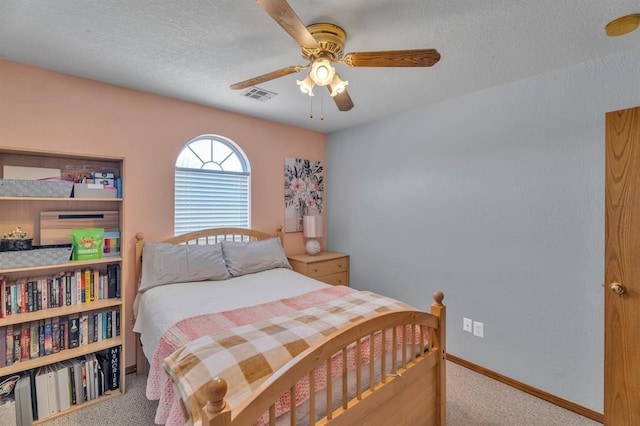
(15,240)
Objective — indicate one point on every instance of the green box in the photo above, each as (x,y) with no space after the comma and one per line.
(87,243)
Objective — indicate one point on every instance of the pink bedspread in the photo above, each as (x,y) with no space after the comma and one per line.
(159,386)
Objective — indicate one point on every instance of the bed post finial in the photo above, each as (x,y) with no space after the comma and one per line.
(280,234)
(216,412)
(139,236)
(438,297)
(217,390)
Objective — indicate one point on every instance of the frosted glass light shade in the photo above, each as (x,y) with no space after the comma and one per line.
(322,71)
(338,85)
(306,85)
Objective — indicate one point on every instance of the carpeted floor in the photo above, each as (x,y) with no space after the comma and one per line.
(472,400)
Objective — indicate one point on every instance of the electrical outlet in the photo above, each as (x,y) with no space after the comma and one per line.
(478,329)
(467,324)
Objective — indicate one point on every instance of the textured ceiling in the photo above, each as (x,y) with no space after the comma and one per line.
(193,50)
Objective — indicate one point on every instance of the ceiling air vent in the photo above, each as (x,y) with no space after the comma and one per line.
(258,94)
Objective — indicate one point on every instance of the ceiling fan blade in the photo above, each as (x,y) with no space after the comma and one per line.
(283,14)
(393,58)
(343,100)
(266,77)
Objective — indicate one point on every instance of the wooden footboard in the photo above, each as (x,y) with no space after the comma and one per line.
(407,390)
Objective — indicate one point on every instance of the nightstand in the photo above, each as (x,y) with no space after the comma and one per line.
(329,267)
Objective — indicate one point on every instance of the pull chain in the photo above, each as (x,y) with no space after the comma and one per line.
(321,107)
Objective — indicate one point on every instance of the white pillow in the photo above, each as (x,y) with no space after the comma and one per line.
(164,263)
(247,257)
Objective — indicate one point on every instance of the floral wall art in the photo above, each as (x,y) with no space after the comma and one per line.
(303,191)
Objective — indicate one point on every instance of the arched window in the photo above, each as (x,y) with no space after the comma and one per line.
(212,185)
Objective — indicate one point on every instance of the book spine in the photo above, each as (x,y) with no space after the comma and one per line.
(35,339)
(83,287)
(79,291)
(64,336)
(88,283)
(3,296)
(7,301)
(8,354)
(74,331)
(67,289)
(101,325)
(41,338)
(25,341)
(74,289)
(84,329)
(117,332)
(114,380)
(118,281)
(37,299)
(96,285)
(91,326)
(14,304)
(109,328)
(72,387)
(3,347)
(23,296)
(30,296)
(118,184)
(61,292)
(48,337)
(16,343)
(55,335)
(45,293)
(49,292)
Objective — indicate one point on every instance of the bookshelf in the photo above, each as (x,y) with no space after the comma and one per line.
(24,211)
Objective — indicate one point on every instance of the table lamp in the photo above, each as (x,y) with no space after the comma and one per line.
(312,229)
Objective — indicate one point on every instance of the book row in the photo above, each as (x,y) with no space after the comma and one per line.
(40,393)
(64,289)
(34,339)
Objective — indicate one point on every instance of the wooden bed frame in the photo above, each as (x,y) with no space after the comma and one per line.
(413,393)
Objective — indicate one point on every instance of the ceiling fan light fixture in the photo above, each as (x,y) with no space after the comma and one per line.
(306,85)
(322,71)
(338,85)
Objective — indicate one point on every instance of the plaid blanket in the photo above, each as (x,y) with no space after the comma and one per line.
(159,386)
(246,356)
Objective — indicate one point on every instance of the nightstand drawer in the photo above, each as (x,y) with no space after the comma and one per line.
(340,278)
(318,269)
(329,267)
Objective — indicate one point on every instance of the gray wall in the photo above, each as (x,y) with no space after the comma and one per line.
(497,199)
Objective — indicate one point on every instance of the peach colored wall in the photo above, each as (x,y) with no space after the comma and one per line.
(44,110)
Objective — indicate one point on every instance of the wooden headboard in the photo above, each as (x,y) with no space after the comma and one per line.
(207,236)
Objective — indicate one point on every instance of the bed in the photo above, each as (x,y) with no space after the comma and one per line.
(309,352)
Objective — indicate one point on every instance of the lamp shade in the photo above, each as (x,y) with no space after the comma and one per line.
(312,226)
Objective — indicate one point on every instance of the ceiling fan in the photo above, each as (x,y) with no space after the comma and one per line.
(322,45)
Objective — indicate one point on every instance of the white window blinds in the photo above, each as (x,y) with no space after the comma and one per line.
(210,199)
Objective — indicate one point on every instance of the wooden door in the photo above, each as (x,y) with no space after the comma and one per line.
(622,266)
